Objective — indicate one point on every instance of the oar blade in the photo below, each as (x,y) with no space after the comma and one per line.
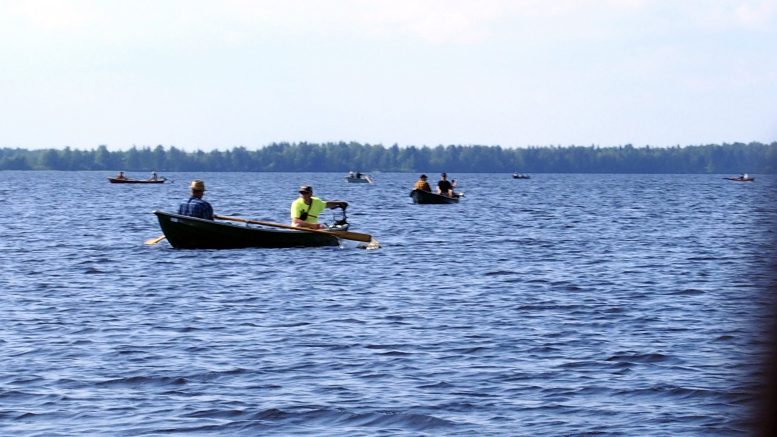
(156,240)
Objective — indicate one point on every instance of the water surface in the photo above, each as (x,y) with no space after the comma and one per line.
(562,304)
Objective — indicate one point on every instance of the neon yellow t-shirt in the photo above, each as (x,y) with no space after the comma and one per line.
(316,206)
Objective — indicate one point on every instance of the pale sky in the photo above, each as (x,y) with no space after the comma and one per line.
(206,75)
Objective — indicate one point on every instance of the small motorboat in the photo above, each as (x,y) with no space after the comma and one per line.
(358,178)
(521,176)
(742,178)
(427,197)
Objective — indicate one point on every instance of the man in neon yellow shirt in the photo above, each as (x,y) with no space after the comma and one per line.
(305,209)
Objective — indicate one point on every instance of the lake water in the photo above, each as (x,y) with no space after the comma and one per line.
(558,305)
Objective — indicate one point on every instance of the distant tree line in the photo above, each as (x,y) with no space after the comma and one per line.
(340,157)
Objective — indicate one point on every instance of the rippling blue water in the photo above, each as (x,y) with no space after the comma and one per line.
(563,304)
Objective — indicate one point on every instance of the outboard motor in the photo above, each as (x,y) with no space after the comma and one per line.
(339,220)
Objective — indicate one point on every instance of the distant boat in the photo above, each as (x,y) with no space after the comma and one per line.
(427,197)
(521,176)
(136,181)
(360,179)
(743,178)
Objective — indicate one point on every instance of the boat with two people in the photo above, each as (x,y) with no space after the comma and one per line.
(186,232)
(358,178)
(744,177)
(521,176)
(121,179)
(429,198)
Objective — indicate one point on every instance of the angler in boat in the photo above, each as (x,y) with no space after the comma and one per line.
(195,206)
(422,184)
(306,208)
(444,186)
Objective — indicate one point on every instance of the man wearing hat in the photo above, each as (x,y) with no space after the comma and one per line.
(421,184)
(306,208)
(444,186)
(195,206)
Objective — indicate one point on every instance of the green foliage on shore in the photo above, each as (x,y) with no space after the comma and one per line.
(341,157)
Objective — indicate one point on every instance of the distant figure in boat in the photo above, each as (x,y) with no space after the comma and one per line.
(422,185)
(358,177)
(743,177)
(153,176)
(195,206)
(306,208)
(444,186)
(121,175)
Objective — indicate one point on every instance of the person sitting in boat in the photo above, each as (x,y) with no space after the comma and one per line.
(444,186)
(422,185)
(358,175)
(154,176)
(120,176)
(195,206)
(306,208)
(350,174)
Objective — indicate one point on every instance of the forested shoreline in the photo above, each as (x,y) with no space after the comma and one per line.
(754,157)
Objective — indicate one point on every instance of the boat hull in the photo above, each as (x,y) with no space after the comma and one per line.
(184,232)
(361,180)
(426,197)
(741,179)
(136,181)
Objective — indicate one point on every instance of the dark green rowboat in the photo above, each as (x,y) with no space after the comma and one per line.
(184,232)
(426,197)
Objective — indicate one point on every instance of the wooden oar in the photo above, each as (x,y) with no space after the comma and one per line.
(155,240)
(345,235)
